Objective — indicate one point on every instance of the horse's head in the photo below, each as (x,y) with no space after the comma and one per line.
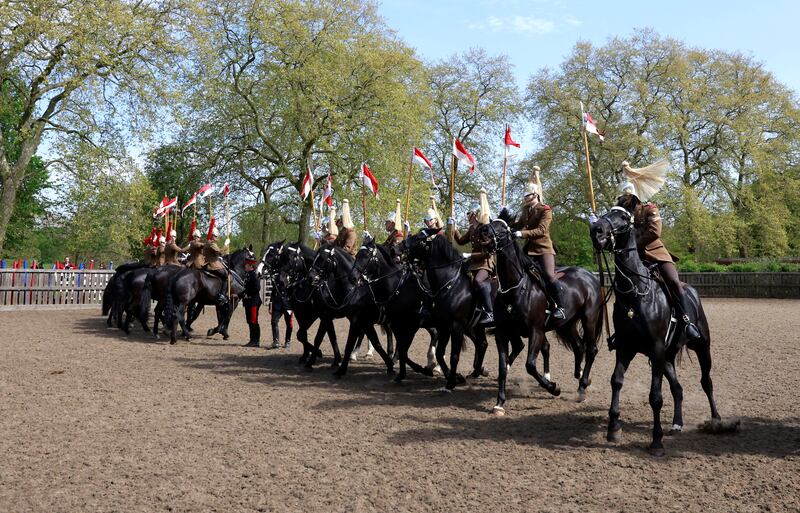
(371,260)
(495,236)
(612,230)
(328,262)
(290,267)
(237,258)
(270,259)
(418,246)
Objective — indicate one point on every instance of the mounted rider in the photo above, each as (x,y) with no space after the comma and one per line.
(160,256)
(172,250)
(392,223)
(196,259)
(481,265)
(647,224)
(533,225)
(214,264)
(148,256)
(432,220)
(347,234)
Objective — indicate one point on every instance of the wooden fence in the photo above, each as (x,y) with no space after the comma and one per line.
(45,288)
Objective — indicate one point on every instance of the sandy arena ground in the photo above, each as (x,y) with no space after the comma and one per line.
(93,420)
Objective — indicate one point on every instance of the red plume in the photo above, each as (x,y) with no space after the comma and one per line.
(169,230)
(210,229)
(191,230)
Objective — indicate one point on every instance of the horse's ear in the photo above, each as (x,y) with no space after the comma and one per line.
(283,242)
(250,247)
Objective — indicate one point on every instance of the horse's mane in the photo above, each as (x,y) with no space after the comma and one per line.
(385,252)
(443,246)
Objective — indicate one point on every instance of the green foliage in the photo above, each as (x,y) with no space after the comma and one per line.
(571,238)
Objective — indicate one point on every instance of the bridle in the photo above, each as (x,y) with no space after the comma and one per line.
(373,259)
(427,244)
(621,269)
(496,247)
(323,276)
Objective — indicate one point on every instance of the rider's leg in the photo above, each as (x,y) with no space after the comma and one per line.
(548,265)
(484,289)
(670,275)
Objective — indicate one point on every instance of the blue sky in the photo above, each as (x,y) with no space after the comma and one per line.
(539,33)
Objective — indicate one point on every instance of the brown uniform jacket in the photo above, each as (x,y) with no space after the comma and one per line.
(171,252)
(160,257)
(196,259)
(211,253)
(347,240)
(148,256)
(534,223)
(478,260)
(394,239)
(647,223)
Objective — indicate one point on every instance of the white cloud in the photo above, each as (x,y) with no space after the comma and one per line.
(572,20)
(517,23)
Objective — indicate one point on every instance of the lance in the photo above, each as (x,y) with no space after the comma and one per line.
(228,224)
(452,198)
(503,188)
(364,200)
(597,254)
(408,189)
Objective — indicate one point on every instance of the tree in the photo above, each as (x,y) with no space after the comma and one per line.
(729,128)
(74,66)
(303,84)
(474,96)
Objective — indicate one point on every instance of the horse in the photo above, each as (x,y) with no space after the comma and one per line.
(398,299)
(340,296)
(644,323)
(291,279)
(453,307)
(196,286)
(155,289)
(133,283)
(521,312)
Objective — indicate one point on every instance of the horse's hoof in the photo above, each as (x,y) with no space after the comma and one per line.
(398,379)
(676,429)
(547,376)
(484,372)
(155,336)
(173,342)
(460,379)
(446,390)
(555,390)
(657,452)
(390,371)
(581,395)
(335,365)
(210,332)
(498,411)
(189,328)
(338,374)
(225,336)
(437,371)
(614,435)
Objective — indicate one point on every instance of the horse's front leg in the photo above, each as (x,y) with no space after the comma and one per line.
(457,341)
(337,355)
(501,340)
(545,348)
(617,378)
(441,347)
(481,344)
(156,318)
(372,336)
(656,402)
(353,335)
(321,331)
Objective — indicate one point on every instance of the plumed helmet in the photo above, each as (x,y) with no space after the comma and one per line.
(531,188)
(162,240)
(430,214)
(389,217)
(332,228)
(173,234)
(627,187)
(484,215)
(347,221)
(196,234)
(397,219)
(215,232)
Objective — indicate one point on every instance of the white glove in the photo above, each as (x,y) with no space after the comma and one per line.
(227,242)
(366,235)
(592,217)
(466,255)
(517,234)
(450,220)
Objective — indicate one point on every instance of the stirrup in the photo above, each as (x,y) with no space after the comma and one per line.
(557,313)
(222,299)
(691,331)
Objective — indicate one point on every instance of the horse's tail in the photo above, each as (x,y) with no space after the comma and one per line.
(108,296)
(144,299)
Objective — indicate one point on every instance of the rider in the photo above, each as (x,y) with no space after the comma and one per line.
(160,256)
(214,265)
(533,224)
(196,259)
(481,265)
(252,301)
(647,223)
(148,249)
(172,250)
(432,221)
(347,234)
(392,223)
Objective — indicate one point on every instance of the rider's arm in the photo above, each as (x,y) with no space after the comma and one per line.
(652,228)
(543,228)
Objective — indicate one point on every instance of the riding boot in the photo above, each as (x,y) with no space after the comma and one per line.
(692,333)
(254,336)
(485,294)
(554,291)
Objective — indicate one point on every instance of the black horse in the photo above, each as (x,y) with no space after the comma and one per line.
(398,300)
(453,307)
(155,289)
(196,286)
(644,323)
(291,278)
(339,296)
(520,312)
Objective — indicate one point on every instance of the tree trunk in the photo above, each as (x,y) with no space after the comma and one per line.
(303,229)
(8,196)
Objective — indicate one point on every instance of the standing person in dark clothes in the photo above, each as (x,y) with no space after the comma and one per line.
(279,307)
(252,301)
